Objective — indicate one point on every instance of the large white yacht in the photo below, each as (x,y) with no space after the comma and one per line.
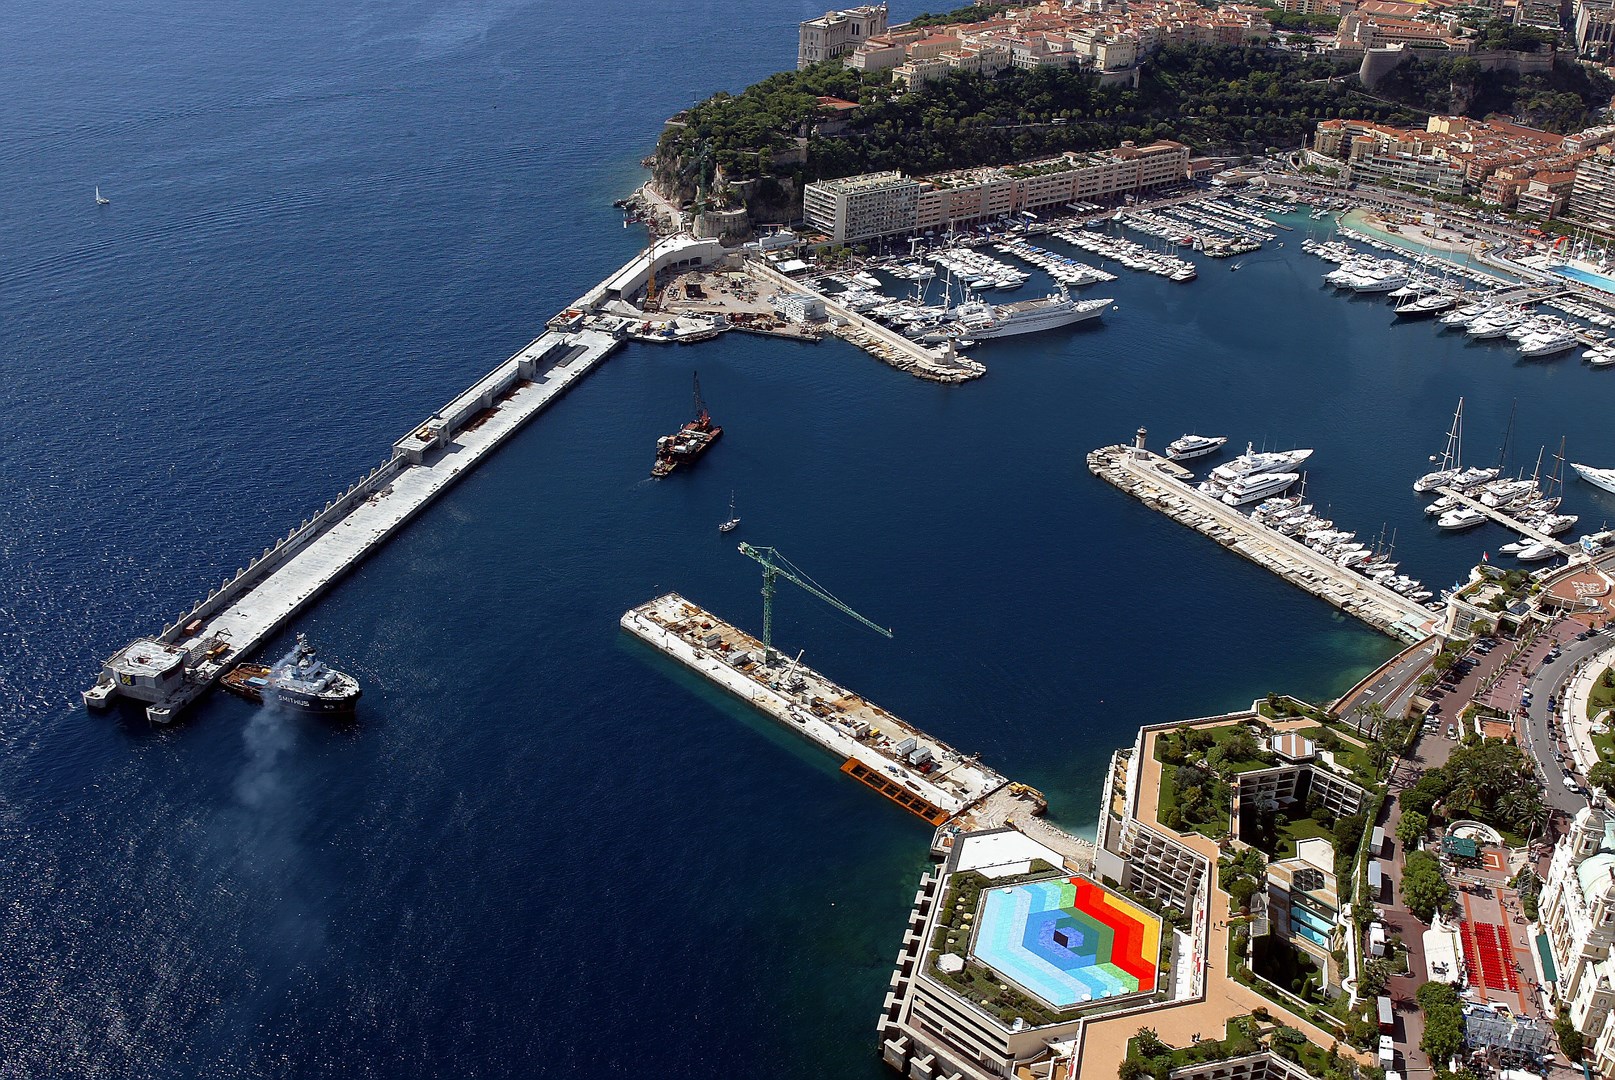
(1194,446)
(977,319)
(1600,478)
(1252,462)
(1248,489)
(1465,517)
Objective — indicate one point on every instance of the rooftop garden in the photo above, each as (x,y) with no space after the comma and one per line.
(1197,763)
(1149,1056)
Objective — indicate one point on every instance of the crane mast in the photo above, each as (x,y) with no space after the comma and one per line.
(776,566)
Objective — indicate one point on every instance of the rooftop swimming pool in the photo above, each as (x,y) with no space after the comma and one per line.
(1586,277)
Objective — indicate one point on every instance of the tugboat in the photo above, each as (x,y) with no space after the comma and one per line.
(689,442)
(299,679)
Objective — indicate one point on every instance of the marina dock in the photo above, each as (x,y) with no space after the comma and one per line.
(183,662)
(1161,485)
(920,773)
(1513,525)
(882,343)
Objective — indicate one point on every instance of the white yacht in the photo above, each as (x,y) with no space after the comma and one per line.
(1551,344)
(1462,518)
(1601,478)
(1251,462)
(979,320)
(1502,492)
(1537,552)
(1462,317)
(1194,446)
(1378,281)
(1248,489)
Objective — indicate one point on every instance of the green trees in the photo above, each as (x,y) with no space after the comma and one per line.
(1375,976)
(1443,1022)
(1481,781)
(1602,775)
(1570,1038)
(1424,890)
(1242,876)
(1411,829)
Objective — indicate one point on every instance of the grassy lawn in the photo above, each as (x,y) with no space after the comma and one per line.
(1601,698)
(1349,754)
(1303,828)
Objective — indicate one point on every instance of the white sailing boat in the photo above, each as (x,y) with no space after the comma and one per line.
(1451,457)
(100,199)
(734,521)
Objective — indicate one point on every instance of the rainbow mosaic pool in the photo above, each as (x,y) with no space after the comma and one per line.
(1068,940)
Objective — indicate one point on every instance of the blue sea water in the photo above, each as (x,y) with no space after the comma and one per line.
(542,850)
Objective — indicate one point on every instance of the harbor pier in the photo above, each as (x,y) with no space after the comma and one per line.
(1160,484)
(170,670)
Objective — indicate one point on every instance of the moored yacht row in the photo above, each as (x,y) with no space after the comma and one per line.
(1262,477)
(1132,255)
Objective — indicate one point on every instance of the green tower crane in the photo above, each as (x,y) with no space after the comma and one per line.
(775,566)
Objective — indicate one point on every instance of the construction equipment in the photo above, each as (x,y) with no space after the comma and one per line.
(776,566)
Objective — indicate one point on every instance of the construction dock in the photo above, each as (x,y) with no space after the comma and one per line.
(922,774)
(170,670)
(1160,484)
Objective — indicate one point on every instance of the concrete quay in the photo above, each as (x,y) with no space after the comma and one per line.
(879,341)
(1156,482)
(922,774)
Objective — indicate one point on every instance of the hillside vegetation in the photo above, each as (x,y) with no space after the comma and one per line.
(1214,99)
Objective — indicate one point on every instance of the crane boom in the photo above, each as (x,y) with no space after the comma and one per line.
(772,561)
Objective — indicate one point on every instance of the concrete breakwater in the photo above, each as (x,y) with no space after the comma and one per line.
(1160,484)
(169,670)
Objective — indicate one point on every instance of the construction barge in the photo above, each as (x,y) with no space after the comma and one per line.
(1161,485)
(922,774)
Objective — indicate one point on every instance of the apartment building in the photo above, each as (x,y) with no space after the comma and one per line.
(857,208)
(860,208)
(1592,196)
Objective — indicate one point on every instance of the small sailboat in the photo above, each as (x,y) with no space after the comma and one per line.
(100,199)
(734,521)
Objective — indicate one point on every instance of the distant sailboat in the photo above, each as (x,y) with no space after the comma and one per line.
(100,199)
(733,522)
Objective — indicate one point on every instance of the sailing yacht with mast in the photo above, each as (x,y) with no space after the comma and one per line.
(1451,457)
(100,199)
(734,519)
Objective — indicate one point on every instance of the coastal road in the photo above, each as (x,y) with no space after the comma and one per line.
(1393,686)
(1546,682)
